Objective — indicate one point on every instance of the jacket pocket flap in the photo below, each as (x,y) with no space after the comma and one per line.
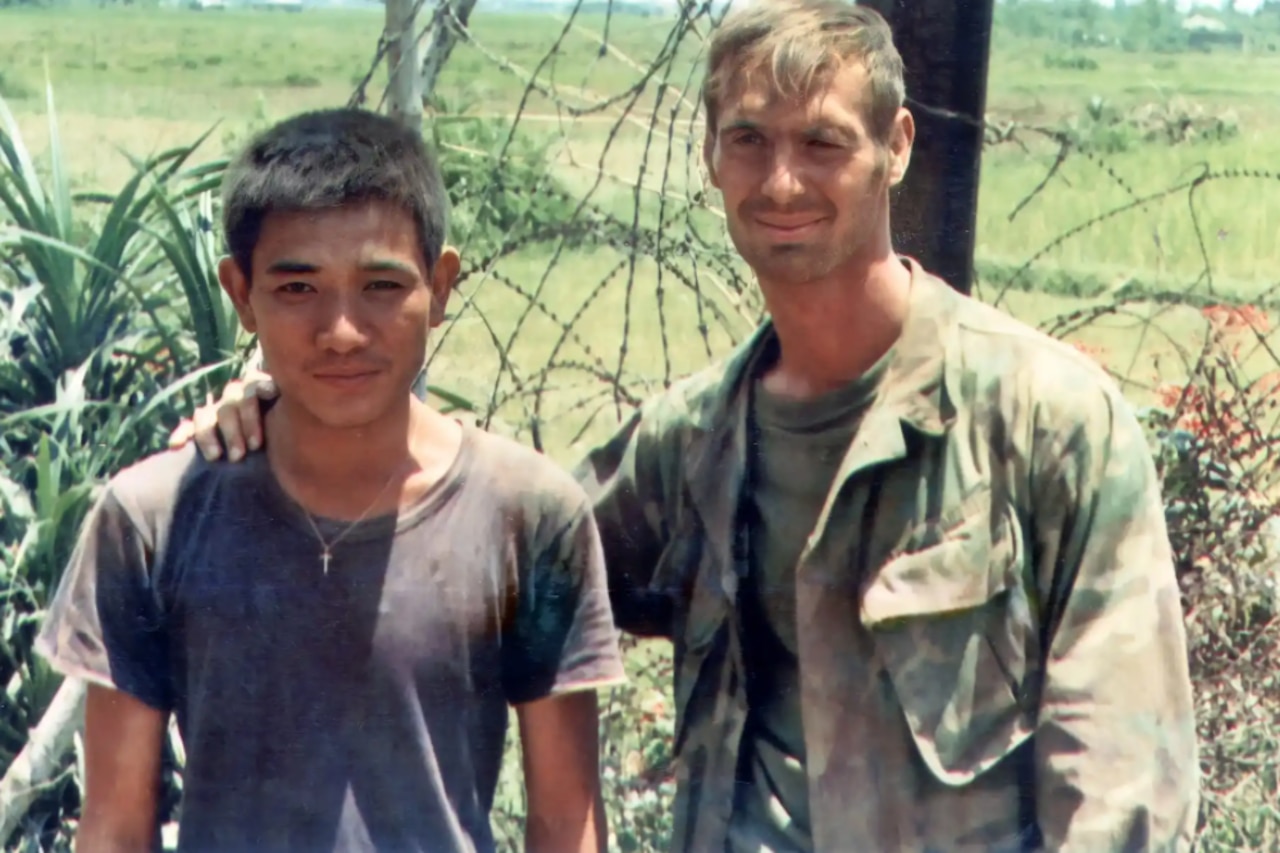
(966,570)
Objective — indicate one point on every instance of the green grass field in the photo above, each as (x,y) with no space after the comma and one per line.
(648,288)
(139,81)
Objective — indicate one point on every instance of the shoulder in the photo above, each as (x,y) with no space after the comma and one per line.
(1048,410)
(521,481)
(696,403)
(152,485)
(152,491)
(1031,376)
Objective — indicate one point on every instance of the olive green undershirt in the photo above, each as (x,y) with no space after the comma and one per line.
(799,445)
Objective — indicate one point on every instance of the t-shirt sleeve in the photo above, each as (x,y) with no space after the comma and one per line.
(562,635)
(105,623)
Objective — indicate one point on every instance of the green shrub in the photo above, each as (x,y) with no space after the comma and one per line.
(1218,453)
(13,87)
(1104,128)
(298,80)
(1070,62)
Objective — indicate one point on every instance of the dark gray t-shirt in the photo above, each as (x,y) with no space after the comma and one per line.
(362,710)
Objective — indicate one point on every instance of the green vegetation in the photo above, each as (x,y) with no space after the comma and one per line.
(1129,192)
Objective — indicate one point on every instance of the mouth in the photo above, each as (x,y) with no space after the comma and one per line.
(346,378)
(789,227)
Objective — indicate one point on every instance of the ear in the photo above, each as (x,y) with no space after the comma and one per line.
(901,141)
(444,274)
(236,284)
(709,157)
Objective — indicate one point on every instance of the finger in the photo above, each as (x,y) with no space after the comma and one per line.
(204,431)
(249,413)
(228,419)
(182,434)
(261,384)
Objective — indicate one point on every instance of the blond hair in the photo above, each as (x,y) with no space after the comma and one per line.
(800,43)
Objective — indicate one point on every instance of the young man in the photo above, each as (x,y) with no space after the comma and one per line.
(911,553)
(340,623)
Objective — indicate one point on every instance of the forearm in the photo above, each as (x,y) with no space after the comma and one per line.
(546,832)
(123,745)
(559,736)
(98,832)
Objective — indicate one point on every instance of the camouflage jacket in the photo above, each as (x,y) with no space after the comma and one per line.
(991,647)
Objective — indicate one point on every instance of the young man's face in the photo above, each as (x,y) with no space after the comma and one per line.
(342,301)
(805,185)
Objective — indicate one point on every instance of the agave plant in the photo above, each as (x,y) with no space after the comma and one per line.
(112,324)
(106,296)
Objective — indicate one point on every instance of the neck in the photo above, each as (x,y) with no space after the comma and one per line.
(342,472)
(832,330)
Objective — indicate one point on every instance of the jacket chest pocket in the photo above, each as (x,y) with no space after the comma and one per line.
(952,626)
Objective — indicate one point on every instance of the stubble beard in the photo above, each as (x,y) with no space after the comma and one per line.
(798,264)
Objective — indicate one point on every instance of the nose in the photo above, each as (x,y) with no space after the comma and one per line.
(782,183)
(342,330)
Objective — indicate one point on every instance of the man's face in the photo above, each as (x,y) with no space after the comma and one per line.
(805,186)
(342,301)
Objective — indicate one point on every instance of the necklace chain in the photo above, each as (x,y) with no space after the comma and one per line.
(327,553)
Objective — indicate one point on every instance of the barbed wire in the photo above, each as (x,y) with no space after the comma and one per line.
(663,226)
(637,258)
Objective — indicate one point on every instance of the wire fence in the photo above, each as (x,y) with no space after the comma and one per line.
(615,277)
(597,271)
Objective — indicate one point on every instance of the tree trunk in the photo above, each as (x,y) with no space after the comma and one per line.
(442,36)
(404,92)
(40,759)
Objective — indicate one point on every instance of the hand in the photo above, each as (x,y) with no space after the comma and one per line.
(237,416)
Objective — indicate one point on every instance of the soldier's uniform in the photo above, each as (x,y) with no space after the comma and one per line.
(989,639)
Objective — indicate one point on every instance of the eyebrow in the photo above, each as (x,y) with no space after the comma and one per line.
(833,131)
(740,124)
(820,130)
(289,266)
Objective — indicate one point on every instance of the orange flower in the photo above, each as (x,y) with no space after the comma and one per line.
(1094,352)
(1230,318)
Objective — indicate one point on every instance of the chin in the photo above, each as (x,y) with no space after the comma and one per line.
(795,266)
(345,418)
(352,412)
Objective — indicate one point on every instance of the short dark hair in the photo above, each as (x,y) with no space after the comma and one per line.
(329,158)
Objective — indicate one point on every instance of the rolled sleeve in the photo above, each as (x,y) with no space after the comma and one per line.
(563,636)
(104,624)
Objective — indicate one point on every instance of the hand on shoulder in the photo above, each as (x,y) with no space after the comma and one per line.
(235,420)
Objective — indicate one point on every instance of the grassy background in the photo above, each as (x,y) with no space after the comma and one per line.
(138,81)
(550,330)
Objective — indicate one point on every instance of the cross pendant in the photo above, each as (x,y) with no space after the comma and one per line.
(324,559)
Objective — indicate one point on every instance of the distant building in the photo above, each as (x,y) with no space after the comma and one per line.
(1206,33)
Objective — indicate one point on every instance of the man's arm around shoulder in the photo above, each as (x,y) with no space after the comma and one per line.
(124,739)
(627,480)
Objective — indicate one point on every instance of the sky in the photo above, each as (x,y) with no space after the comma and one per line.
(1246,6)
(1185,5)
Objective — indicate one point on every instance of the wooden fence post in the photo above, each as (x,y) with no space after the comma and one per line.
(945,46)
